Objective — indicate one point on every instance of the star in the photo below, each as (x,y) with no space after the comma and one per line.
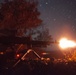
(54,19)
(73,27)
(75,19)
(46,3)
(69,16)
(40,5)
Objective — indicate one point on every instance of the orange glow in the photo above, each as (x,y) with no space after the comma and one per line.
(1,53)
(18,55)
(44,53)
(65,43)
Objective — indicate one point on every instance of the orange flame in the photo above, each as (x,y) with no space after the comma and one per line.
(65,43)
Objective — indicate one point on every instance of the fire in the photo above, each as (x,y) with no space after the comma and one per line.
(65,43)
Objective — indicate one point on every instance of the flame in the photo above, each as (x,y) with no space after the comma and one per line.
(65,43)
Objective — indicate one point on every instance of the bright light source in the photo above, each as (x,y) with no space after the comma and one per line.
(18,55)
(65,43)
(1,53)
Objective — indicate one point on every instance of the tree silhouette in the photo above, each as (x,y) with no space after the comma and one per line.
(18,16)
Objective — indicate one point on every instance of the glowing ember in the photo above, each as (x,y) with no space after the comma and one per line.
(18,55)
(64,43)
(1,53)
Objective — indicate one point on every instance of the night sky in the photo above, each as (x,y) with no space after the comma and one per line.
(60,17)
